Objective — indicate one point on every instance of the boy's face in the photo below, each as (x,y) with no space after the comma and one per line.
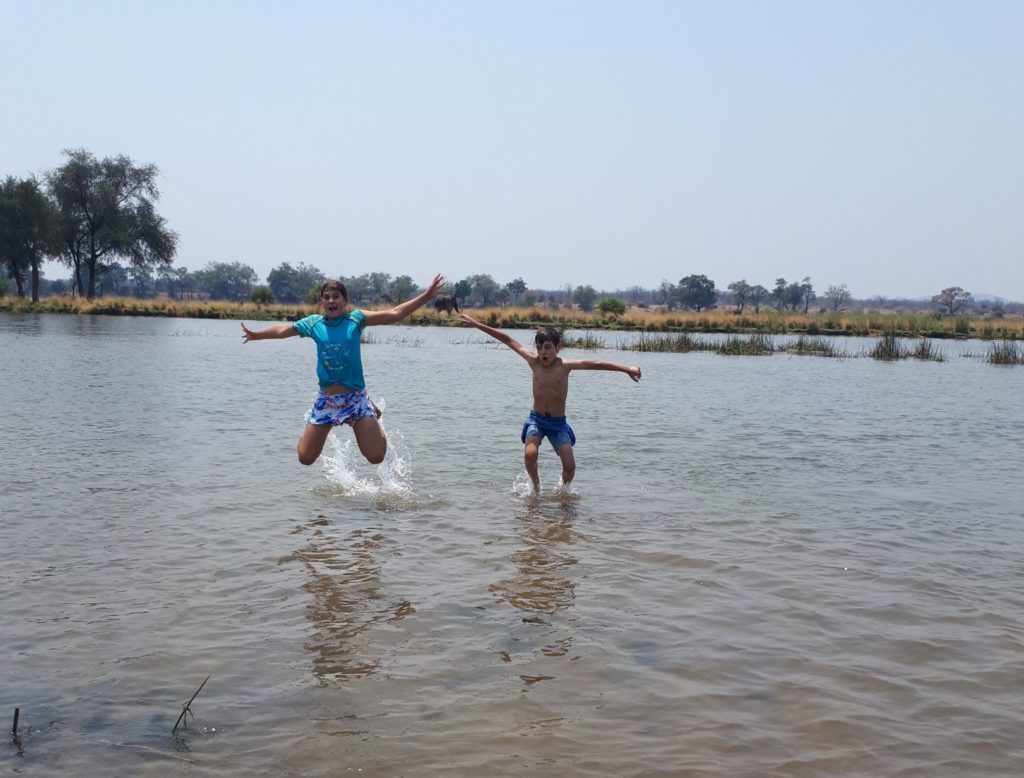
(333,302)
(547,352)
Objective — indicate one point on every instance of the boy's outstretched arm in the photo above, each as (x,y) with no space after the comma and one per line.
(268,333)
(402,310)
(499,336)
(592,364)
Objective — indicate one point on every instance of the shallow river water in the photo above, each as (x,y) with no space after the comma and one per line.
(767,566)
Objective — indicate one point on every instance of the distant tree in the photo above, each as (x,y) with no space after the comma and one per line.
(380,284)
(403,288)
(261,295)
(360,289)
(741,294)
(697,292)
(952,300)
(106,211)
(29,231)
(141,279)
(226,281)
(485,289)
(515,288)
(668,294)
(805,294)
(5,287)
(463,289)
(838,295)
(612,305)
(585,297)
(758,294)
(291,284)
(175,282)
(778,293)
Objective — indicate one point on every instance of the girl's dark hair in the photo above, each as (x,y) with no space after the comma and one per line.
(334,285)
(547,333)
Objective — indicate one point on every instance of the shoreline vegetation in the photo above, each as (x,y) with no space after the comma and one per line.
(719,321)
(747,334)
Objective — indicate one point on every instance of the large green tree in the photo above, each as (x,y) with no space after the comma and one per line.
(28,231)
(226,280)
(697,292)
(291,284)
(515,288)
(585,296)
(107,210)
(741,294)
(403,288)
(952,300)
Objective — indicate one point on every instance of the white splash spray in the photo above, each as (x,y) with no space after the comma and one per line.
(347,472)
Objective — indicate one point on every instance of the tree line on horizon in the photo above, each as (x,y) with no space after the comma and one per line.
(98,217)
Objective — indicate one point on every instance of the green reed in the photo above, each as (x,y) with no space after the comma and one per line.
(926,350)
(1006,352)
(889,348)
(814,346)
(678,343)
(750,346)
(586,341)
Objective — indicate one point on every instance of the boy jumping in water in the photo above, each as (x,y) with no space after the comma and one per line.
(550,388)
(342,398)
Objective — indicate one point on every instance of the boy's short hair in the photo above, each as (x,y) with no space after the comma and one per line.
(545,334)
(340,287)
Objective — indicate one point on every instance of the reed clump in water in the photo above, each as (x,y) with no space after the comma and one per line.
(585,341)
(927,351)
(815,347)
(889,348)
(680,343)
(1006,352)
(753,345)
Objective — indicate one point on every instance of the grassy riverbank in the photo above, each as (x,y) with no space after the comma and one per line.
(768,321)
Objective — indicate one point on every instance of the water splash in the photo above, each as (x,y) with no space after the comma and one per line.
(346,470)
(522,489)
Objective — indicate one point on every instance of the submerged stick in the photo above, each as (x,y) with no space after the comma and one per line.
(14,726)
(185,709)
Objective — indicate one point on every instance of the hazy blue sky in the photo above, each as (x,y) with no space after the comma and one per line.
(877,144)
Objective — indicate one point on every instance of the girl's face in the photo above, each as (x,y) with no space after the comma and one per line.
(333,303)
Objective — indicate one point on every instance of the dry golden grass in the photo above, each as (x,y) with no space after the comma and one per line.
(767,321)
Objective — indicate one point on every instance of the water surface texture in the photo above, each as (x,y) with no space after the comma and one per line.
(768,566)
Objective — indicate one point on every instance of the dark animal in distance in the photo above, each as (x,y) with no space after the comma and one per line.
(446,303)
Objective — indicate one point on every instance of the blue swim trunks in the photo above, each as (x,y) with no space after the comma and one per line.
(336,409)
(554,428)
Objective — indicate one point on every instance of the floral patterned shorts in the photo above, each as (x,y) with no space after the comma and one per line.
(337,409)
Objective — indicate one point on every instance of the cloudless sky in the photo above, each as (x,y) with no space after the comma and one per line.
(876,144)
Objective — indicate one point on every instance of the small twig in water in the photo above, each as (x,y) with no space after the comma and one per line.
(14,726)
(185,709)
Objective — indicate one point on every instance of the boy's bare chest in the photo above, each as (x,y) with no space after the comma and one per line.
(550,381)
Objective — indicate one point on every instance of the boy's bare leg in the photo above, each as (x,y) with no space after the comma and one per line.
(372,442)
(311,444)
(530,455)
(568,463)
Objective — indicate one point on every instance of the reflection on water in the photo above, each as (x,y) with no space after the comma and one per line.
(542,586)
(347,598)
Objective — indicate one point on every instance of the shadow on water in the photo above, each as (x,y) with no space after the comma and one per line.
(347,598)
(542,587)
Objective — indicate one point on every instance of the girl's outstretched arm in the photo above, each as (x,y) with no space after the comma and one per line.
(268,333)
(499,336)
(402,310)
(592,364)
